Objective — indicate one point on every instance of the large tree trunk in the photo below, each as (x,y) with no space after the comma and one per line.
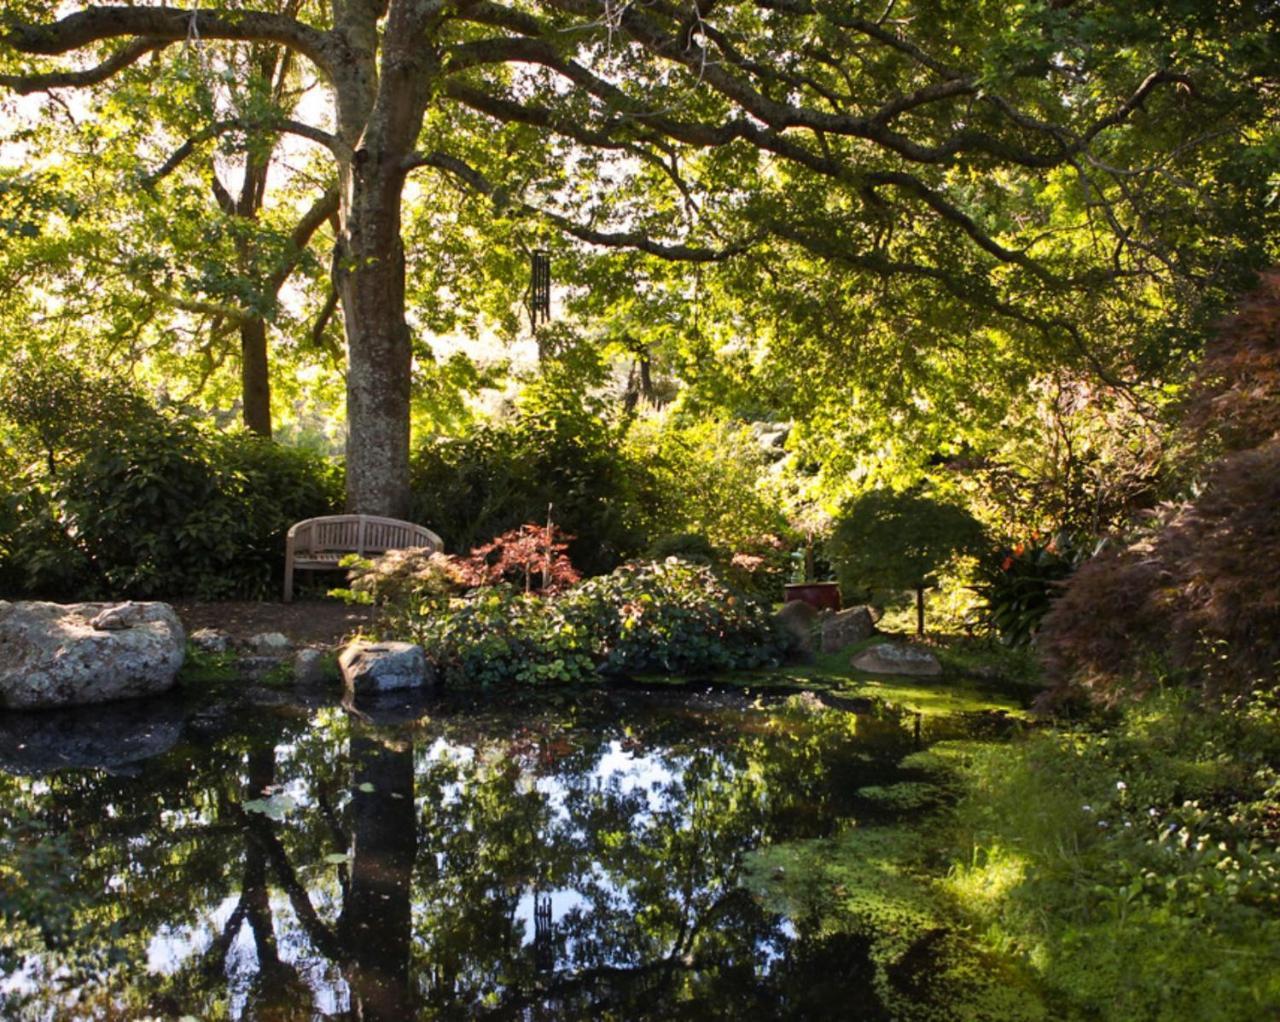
(379,116)
(255,380)
(379,354)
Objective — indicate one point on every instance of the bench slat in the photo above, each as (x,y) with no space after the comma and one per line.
(319,543)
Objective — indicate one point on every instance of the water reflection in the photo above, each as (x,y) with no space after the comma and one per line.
(537,862)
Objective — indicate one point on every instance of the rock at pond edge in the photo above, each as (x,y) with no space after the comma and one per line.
(795,618)
(52,654)
(384,667)
(897,658)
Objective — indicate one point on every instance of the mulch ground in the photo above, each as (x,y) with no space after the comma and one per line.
(305,622)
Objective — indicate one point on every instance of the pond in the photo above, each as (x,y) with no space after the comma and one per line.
(432,857)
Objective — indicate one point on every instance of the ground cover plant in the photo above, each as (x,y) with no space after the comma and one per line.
(669,616)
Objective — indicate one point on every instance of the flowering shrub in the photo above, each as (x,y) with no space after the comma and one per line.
(1018,585)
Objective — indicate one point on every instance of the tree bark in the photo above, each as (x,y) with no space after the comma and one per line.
(255,380)
(920,611)
(379,353)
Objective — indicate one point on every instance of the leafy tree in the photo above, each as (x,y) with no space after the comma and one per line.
(1036,180)
(888,540)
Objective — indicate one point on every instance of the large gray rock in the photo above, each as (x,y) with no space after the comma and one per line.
(51,654)
(898,658)
(795,618)
(384,667)
(845,627)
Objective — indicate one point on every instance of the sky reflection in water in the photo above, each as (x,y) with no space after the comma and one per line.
(436,860)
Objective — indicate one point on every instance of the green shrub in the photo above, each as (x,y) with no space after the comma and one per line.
(496,635)
(671,617)
(886,540)
(712,477)
(688,546)
(674,617)
(558,452)
(145,502)
(408,587)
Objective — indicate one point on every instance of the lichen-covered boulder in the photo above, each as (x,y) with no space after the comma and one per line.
(898,658)
(384,667)
(845,627)
(54,654)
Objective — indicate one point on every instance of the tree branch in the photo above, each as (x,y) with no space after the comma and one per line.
(166,25)
(677,252)
(217,128)
(124,57)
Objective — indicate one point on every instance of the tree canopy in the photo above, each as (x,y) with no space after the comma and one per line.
(919,205)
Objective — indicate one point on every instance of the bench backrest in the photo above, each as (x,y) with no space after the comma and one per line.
(359,534)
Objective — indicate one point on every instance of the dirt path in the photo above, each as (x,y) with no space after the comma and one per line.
(305,622)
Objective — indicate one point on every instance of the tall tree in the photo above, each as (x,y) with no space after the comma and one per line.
(1009,161)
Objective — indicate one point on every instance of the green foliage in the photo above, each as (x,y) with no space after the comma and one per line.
(712,479)
(558,451)
(688,546)
(1133,867)
(896,541)
(146,502)
(497,635)
(406,586)
(1019,584)
(674,617)
(671,617)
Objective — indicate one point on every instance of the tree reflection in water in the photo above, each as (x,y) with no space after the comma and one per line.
(534,863)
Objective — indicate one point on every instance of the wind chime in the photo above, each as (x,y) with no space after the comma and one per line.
(540,289)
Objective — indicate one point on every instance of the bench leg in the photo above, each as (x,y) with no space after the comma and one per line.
(288,581)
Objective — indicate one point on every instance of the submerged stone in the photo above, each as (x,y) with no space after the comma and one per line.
(55,654)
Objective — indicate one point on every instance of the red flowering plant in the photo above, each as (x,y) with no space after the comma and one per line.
(532,557)
(1018,584)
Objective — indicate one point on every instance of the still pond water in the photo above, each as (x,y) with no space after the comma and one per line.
(430,859)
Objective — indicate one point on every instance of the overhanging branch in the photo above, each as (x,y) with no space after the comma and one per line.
(124,57)
(167,25)
(476,182)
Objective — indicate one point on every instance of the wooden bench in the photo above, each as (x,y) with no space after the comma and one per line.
(318,544)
